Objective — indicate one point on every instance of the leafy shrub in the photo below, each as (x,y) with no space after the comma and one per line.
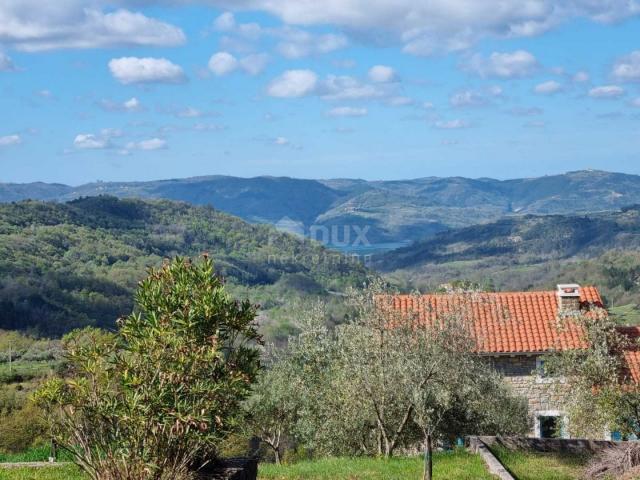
(155,400)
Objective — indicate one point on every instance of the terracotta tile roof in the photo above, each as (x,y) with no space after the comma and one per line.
(505,322)
(632,353)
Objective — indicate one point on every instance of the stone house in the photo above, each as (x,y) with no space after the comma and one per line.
(513,331)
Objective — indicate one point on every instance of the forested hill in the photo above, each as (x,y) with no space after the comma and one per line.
(524,239)
(64,265)
(394,211)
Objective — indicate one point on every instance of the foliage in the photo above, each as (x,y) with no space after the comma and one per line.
(154,401)
(70,265)
(603,394)
(380,382)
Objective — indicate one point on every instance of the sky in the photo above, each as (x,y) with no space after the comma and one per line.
(122,90)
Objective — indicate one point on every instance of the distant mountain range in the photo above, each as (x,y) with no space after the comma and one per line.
(527,239)
(390,211)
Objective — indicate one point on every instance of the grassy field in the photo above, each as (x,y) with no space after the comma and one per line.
(541,466)
(459,465)
(67,472)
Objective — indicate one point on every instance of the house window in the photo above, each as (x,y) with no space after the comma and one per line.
(541,374)
(549,426)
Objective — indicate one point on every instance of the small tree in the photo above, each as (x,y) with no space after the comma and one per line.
(154,401)
(272,409)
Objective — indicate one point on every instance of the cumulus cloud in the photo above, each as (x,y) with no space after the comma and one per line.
(148,144)
(503,64)
(130,105)
(297,43)
(34,25)
(281,141)
(226,22)
(382,74)
(6,64)
(627,68)
(100,141)
(347,112)
(433,26)
(467,98)
(547,88)
(451,124)
(8,140)
(129,70)
(293,83)
(581,77)
(344,87)
(606,91)
(89,141)
(224,63)
(292,42)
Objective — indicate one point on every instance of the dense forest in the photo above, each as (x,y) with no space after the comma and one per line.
(66,265)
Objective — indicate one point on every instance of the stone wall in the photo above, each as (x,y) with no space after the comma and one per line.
(542,394)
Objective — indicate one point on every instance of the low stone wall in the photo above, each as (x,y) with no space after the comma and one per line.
(231,469)
(550,444)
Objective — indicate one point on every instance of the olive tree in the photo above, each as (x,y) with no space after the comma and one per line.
(382,380)
(154,400)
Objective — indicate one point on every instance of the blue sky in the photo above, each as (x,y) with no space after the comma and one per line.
(377,89)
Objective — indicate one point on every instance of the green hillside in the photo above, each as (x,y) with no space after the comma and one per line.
(67,265)
(532,252)
(393,211)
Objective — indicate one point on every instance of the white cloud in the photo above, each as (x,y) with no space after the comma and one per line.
(547,88)
(382,74)
(255,63)
(101,141)
(131,105)
(9,140)
(35,25)
(451,124)
(347,112)
(223,63)
(89,141)
(128,70)
(6,64)
(427,105)
(627,68)
(292,42)
(149,144)
(293,83)
(636,102)
(298,43)
(581,77)
(467,98)
(435,26)
(503,65)
(343,87)
(606,91)
(281,141)
(226,22)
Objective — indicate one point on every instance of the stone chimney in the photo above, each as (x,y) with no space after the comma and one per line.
(568,297)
